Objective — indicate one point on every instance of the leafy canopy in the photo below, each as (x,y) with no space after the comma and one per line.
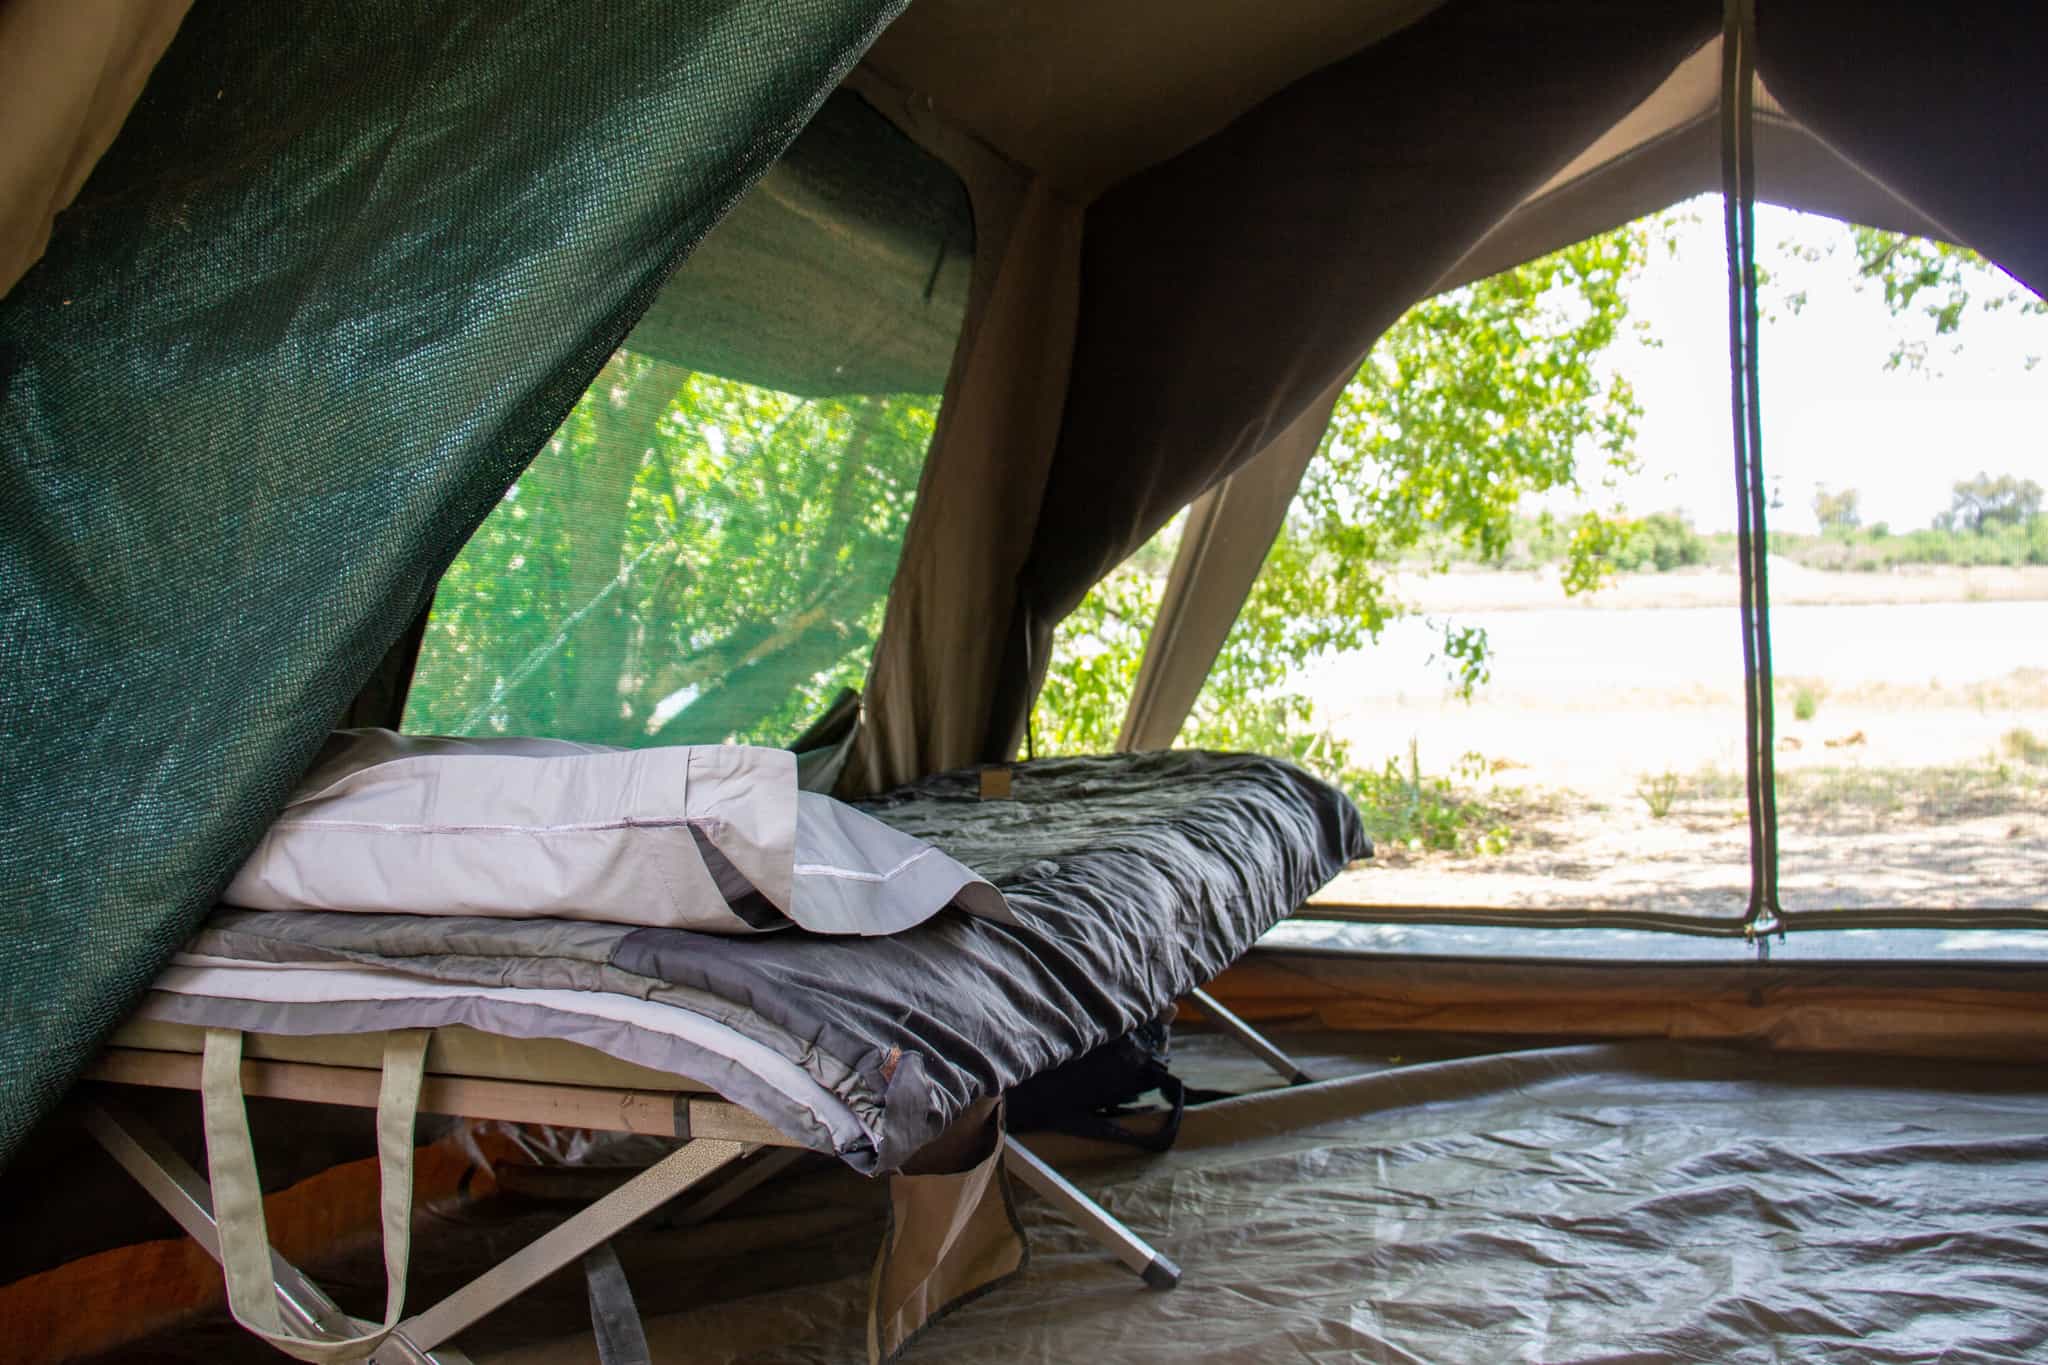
(1933,284)
(1980,503)
(1474,401)
(691,559)
(1837,511)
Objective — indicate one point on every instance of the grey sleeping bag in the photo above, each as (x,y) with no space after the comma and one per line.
(1134,878)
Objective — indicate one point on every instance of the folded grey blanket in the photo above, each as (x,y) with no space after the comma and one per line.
(1135,877)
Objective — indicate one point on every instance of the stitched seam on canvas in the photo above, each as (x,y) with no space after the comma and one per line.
(382,827)
(847,874)
(213,960)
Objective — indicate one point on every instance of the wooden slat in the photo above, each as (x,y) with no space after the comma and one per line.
(571,1106)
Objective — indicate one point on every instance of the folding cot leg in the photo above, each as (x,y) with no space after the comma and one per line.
(1098,1222)
(1250,1037)
(762,1166)
(417,1340)
(1133,1250)
(551,1251)
(184,1194)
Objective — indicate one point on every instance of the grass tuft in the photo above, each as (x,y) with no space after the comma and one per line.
(2024,746)
(1658,792)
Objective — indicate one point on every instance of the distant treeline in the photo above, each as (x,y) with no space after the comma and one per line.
(1871,548)
(1665,541)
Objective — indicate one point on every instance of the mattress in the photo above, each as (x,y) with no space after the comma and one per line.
(1135,878)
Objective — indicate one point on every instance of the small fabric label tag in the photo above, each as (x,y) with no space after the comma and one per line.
(995,784)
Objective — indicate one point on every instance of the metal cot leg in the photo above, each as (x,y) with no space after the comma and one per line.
(184,1194)
(1251,1038)
(1091,1217)
(1133,1250)
(187,1197)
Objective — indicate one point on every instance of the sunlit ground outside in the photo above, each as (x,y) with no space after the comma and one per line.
(1912,745)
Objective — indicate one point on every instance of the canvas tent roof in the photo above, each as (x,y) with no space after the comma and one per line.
(378,255)
(1089,95)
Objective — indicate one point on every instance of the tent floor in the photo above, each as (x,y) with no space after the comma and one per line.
(1637,1201)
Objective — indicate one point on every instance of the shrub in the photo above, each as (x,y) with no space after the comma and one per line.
(1662,541)
(2024,745)
(1403,807)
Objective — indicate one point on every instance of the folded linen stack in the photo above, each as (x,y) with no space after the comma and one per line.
(713,838)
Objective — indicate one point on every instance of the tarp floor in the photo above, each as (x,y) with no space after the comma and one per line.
(1642,1202)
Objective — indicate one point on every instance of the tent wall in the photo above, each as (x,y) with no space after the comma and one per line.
(1085,93)
(69,73)
(341,275)
(971,527)
(1669,149)
(1229,531)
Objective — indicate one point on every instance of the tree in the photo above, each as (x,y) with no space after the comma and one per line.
(1838,512)
(1981,503)
(1939,282)
(1474,401)
(1662,541)
(690,559)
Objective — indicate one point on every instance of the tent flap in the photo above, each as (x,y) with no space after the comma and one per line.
(342,273)
(1223,290)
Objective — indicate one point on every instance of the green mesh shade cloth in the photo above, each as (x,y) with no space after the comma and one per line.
(342,275)
(703,550)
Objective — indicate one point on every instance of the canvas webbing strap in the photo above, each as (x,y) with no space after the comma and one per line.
(615,1325)
(238,1195)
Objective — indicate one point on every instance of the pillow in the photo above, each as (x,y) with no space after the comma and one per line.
(714,838)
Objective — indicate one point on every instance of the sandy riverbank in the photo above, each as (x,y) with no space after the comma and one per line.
(1613,746)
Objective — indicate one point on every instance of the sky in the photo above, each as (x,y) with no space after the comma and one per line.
(1833,415)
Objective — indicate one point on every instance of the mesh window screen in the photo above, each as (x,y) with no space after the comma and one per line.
(703,549)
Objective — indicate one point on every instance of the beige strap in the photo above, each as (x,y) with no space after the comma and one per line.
(238,1196)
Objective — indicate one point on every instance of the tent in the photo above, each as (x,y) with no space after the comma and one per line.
(276,343)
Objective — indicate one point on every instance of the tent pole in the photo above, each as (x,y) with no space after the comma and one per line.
(1738,200)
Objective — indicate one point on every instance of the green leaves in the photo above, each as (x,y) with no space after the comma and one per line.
(1979,504)
(1937,281)
(691,559)
(1474,401)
